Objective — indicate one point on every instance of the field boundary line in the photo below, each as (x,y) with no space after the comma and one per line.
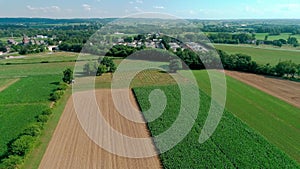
(9,84)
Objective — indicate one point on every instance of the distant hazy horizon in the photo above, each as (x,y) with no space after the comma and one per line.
(208,19)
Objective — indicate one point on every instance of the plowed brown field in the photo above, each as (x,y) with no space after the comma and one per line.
(71,148)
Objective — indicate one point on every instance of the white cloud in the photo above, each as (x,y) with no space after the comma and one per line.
(159,7)
(87,7)
(44,9)
(139,1)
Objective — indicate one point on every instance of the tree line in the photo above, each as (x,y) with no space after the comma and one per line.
(246,38)
(241,62)
(209,60)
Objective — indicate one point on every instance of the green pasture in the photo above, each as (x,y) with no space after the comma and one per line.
(260,55)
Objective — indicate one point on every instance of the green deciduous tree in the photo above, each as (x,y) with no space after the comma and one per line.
(22,145)
(68,75)
(12,162)
(109,63)
(33,130)
(101,69)
(286,68)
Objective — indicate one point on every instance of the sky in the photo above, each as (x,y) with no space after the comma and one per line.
(192,9)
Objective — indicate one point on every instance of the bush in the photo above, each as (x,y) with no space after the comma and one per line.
(62,86)
(42,118)
(47,112)
(12,162)
(33,130)
(101,69)
(22,145)
(56,95)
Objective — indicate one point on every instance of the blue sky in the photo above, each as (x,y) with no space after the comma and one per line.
(199,9)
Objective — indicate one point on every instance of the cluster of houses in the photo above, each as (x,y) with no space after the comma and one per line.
(36,40)
(151,42)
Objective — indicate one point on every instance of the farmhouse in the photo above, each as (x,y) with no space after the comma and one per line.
(52,48)
(25,40)
(174,46)
(11,42)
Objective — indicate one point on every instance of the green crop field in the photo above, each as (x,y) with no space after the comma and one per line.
(5,81)
(262,56)
(25,99)
(261,36)
(22,70)
(22,91)
(275,119)
(21,102)
(233,145)
(47,57)
(268,116)
(14,119)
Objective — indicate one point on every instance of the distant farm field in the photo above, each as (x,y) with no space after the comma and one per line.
(47,57)
(21,70)
(275,119)
(261,36)
(233,145)
(260,55)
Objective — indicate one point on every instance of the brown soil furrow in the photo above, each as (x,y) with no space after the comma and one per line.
(71,148)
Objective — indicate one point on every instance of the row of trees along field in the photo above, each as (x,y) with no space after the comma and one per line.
(241,62)
(238,62)
(271,29)
(244,38)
